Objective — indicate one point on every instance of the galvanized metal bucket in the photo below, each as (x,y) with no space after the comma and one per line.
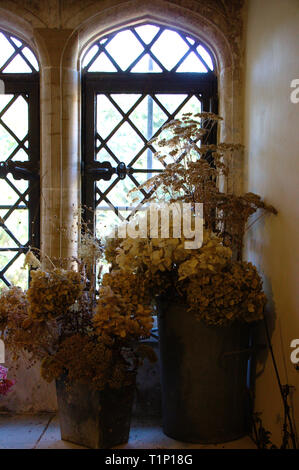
(95,419)
(204,376)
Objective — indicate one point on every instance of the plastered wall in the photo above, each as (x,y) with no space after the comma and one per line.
(271,169)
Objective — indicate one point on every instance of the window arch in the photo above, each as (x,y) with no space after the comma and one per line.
(19,157)
(16,56)
(148,48)
(135,81)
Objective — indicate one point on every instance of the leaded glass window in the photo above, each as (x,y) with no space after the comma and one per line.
(135,81)
(19,157)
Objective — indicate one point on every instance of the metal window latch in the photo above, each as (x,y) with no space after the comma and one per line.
(19,170)
(104,170)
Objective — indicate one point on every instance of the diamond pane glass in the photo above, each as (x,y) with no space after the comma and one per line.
(20,156)
(16,41)
(105,221)
(4,100)
(169,48)
(16,275)
(127,121)
(146,65)
(5,257)
(16,117)
(206,56)
(125,101)
(102,64)
(31,57)
(119,195)
(17,65)
(7,144)
(125,143)
(146,161)
(13,55)
(190,40)
(107,116)
(17,143)
(171,102)
(6,50)
(192,64)
(90,54)
(103,185)
(104,156)
(20,185)
(7,195)
(142,178)
(193,105)
(148,117)
(6,241)
(17,223)
(147,32)
(124,48)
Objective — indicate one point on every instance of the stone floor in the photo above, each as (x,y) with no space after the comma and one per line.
(42,432)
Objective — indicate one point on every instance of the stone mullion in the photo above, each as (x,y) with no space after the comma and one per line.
(60,173)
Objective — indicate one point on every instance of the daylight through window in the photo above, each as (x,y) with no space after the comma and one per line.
(19,157)
(134,82)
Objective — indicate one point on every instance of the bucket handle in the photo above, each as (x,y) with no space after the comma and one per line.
(244,351)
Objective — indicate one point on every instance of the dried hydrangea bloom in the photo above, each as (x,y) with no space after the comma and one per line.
(123,308)
(212,256)
(86,360)
(13,305)
(152,255)
(52,293)
(234,293)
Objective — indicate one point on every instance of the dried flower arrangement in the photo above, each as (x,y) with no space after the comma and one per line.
(217,286)
(59,322)
(63,322)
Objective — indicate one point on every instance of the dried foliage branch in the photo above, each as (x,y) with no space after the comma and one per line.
(193,169)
